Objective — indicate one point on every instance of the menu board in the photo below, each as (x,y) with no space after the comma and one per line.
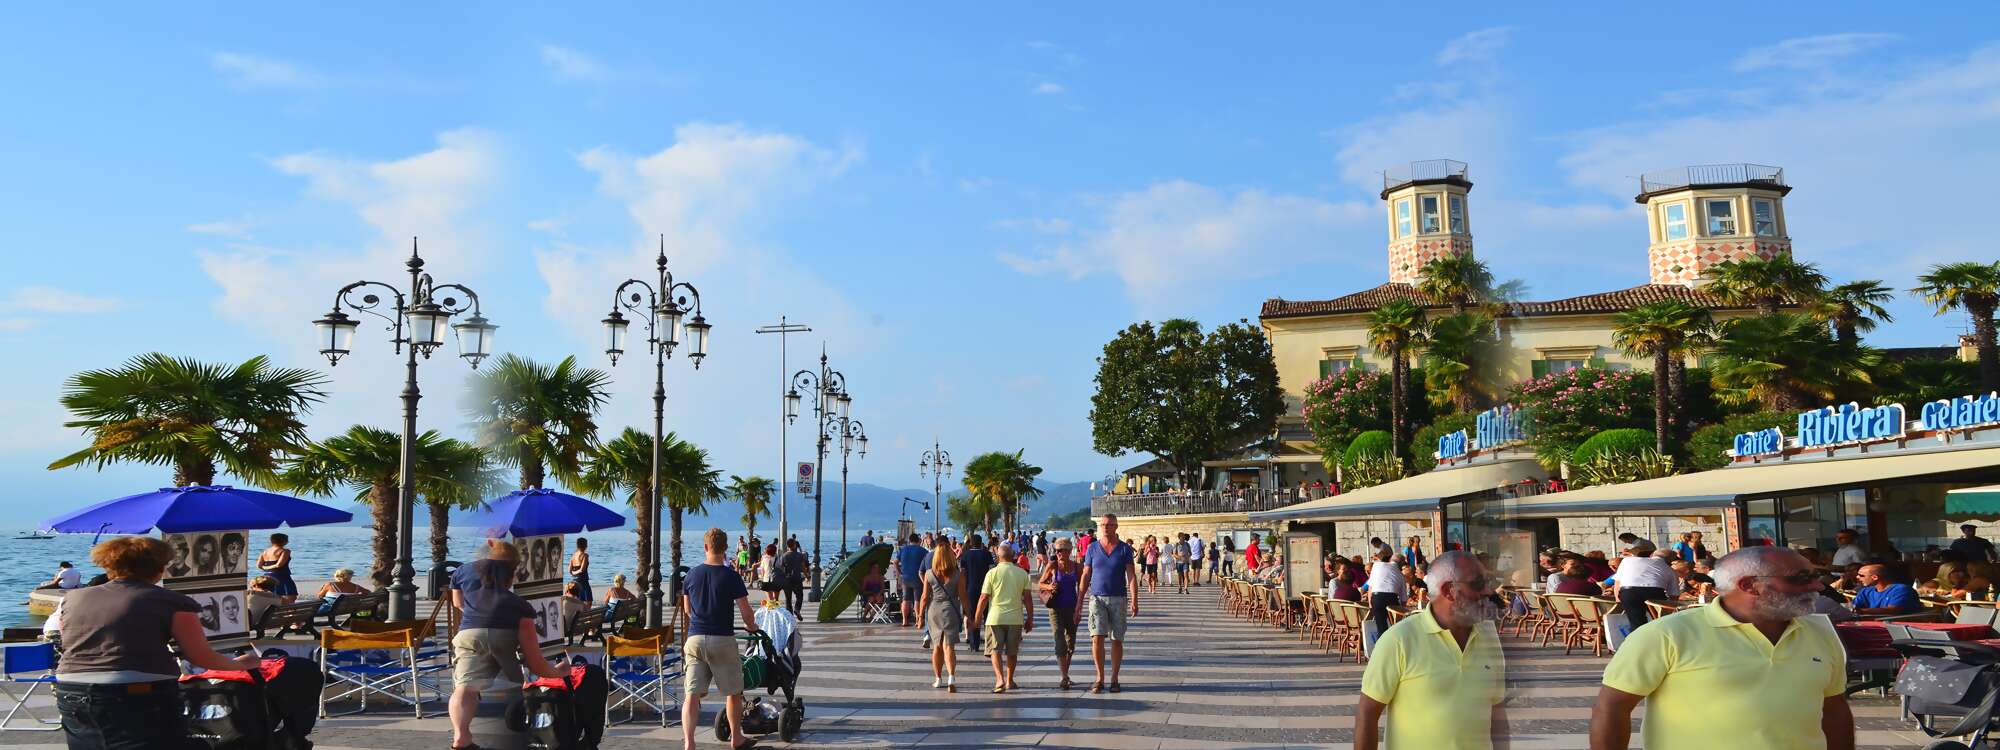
(209,567)
(1302,563)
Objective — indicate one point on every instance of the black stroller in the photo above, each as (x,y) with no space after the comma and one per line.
(1951,689)
(772,668)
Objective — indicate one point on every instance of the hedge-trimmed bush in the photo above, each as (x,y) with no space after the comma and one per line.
(1705,448)
(1372,469)
(1423,445)
(1370,443)
(1624,441)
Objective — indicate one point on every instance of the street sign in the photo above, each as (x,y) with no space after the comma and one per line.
(805,477)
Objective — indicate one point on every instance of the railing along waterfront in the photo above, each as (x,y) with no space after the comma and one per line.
(1205,501)
(1710,174)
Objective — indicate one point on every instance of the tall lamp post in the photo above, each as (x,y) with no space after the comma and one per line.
(417,321)
(662,304)
(830,403)
(785,328)
(851,432)
(937,463)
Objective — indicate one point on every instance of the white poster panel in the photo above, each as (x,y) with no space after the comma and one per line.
(1302,563)
(209,567)
(539,579)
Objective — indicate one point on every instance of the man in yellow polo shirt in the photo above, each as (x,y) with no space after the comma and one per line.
(1744,671)
(1439,673)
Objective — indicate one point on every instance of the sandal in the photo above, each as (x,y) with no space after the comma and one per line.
(1097,687)
(999,690)
(1065,684)
(1115,687)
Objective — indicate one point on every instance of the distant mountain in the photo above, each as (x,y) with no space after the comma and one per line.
(868,506)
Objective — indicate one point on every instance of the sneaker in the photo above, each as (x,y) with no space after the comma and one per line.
(937,683)
(948,679)
(927,643)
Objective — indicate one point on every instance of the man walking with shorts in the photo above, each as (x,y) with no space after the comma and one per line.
(1113,586)
(712,589)
(1007,612)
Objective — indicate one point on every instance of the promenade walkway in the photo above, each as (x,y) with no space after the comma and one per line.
(1195,678)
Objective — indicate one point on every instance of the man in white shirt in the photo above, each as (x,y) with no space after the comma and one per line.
(1195,547)
(1850,551)
(67,577)
(1644,578)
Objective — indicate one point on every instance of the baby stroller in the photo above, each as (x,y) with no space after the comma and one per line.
(1952,689)
(767,666)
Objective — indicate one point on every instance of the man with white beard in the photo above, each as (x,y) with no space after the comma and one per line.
(1439,673)
(1744,671)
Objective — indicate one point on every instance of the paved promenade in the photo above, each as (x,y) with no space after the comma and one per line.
(1195,678)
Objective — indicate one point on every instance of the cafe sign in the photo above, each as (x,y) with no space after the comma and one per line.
(1853,423)
(1492,428)
(1960,413)
(1849,424)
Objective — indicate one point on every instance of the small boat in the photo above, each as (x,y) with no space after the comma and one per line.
(34,535)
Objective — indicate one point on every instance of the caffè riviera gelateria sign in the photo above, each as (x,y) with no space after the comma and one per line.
(1854,424)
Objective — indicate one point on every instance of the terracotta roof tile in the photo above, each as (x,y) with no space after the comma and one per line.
(1602,302)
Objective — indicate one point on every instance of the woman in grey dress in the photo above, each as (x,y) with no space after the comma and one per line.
(944,588)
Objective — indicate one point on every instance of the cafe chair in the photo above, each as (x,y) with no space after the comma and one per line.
(24,669)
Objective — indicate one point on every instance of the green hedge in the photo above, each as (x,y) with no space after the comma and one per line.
(1705,448)
(1625,441)
(1370,443)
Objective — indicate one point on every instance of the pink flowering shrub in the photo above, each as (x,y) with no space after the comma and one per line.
(1341,406)
(1565,408)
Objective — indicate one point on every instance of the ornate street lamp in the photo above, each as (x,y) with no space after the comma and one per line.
(830,401)
(851,434)
(661,304)
(937,463)
(417,322)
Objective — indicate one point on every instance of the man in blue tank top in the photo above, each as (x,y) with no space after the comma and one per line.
(1113,586)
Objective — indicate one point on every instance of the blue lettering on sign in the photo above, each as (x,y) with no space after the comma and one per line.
(1960,413)
(1769,440)
(1498,426)
(1849,423)
(1452,445)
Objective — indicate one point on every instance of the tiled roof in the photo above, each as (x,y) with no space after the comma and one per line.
(1602,302)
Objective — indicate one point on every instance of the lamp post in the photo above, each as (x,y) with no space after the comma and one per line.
(830,402)
(661,305)
(785,328)
(937,463)
(417,321)
(851,432)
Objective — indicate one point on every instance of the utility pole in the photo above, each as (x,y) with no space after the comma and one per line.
(784,329)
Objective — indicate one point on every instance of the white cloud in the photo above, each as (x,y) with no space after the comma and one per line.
(16,325)
(232,229)
(1475,48)
(251,71)
(1048,87)
(1810,52)
(50,300)
(1176,234)
(548,226)
(571,65)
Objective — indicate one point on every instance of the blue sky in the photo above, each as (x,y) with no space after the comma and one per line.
(965,203)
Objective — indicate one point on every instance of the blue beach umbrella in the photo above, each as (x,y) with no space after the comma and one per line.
(175,510)
(540,512)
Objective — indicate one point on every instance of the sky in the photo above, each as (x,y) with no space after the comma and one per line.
(964,203)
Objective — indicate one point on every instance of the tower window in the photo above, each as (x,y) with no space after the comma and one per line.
(1764,217)
(1721,216)
(1403,218)
(1430,213)
(1674,221)
(1457,215)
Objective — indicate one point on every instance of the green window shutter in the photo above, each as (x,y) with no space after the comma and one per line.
(1597,362)
(1357,363)
(1325,367)
(1539,368)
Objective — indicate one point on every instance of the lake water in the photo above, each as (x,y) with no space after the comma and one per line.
(317,551)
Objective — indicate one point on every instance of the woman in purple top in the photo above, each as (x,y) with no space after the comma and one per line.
(1058,585)
(1345,583)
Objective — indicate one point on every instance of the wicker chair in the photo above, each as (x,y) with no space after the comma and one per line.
(1562,618)
(1532,622)
(1589,612)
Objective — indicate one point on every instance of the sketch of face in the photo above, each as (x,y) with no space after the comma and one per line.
(233,546)
(539,559)
(206,555)
(181,565)
(210,615)
(232,611)
(542,622)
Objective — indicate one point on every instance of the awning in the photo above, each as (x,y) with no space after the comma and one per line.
(1411,497)
(1722,487)
(1973,501)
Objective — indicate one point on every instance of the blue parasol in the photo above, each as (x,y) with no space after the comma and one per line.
(175,510)
(540,512)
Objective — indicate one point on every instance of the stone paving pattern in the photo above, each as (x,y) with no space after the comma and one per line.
(1195,678)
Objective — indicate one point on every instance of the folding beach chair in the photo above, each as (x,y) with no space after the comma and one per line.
(642,670)
(32,665)
(395,664)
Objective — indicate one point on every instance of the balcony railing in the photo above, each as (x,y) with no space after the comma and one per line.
(1433,169)
(1710,174)
(1187,503)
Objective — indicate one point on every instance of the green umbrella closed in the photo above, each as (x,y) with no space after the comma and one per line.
(843,585)
(1973,501)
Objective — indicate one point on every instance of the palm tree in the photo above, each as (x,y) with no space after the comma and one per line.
(368,460)
(1852,308)
(1393,329)
(1764,284)
(624,465)
(1457,280)
(1787,362)
(1974,288)
(191,415)
(1456,362)
(537,417)
(969,512)
(1003,480)
(1660,330)
(687,484)
(755,492)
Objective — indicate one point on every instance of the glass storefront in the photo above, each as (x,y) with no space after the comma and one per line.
(1904,518)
